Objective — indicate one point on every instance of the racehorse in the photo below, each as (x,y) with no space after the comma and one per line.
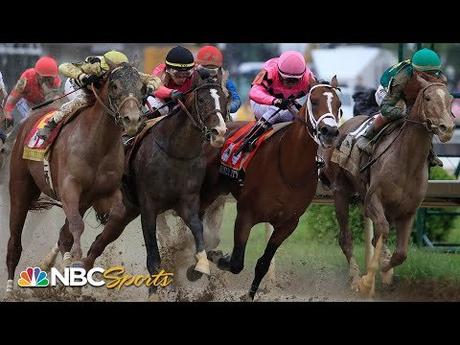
(280,182)
(86,164)
(396,183)
(167,171)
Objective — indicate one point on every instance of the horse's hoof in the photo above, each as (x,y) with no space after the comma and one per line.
(192,274)
(387,277)
(355,284)
(214,255)
(247,298)
(202,264)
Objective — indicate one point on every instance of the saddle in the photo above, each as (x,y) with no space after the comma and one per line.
(350,157)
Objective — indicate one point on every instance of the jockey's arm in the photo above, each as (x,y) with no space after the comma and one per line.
(259,92)
(15,96)
(236,100)
(388,107)
(74,70)
(152,82)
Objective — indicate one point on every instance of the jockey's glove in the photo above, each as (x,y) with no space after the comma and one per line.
(85,79)
(176,95)
(282,103)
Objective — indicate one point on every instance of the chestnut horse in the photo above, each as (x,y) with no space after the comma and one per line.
(86,163)
(396,183)
(280,181)
(166,172)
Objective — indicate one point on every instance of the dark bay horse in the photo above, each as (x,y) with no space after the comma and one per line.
(86,163)
(280,182)
(396,183)
(167,171)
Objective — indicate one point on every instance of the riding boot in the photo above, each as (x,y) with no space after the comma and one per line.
(364,141)
(260,128)
(433,159)
(44,132)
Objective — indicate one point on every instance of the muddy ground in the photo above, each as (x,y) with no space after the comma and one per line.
(296,282)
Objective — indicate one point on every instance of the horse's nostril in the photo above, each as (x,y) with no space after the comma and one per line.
(323,130)
(443,128)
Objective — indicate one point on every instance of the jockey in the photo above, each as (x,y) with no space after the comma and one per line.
(83,74)
(281,81)
(32,87)
(211,59)
(425,63)
(176,77)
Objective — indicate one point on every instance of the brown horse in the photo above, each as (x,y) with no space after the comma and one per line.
(86,163)
(396,183)
(280,182)
(166,172)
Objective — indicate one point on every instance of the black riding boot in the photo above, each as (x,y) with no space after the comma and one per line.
(253,135)
(364,141)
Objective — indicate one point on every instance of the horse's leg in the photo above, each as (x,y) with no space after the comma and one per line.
(374,210)
(63,245)
(235,262)
(23,192)
(188,210)
(271,270)
(71,193)
(212,223)
(149,226)
(342,206)
(279,235)
(403,230)
(120,216)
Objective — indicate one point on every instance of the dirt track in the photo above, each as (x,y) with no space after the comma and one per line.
(296,283)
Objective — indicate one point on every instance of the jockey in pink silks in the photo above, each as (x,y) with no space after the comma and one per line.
(278,84)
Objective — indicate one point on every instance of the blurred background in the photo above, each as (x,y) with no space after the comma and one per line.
(357,65)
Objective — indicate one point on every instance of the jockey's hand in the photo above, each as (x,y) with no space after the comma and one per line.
(176,95)
(150,90)
(282,103)
(85,79)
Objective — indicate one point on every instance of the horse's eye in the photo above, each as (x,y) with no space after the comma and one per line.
(114,87)
(427,99)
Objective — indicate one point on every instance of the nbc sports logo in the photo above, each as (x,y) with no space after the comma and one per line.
(33,277)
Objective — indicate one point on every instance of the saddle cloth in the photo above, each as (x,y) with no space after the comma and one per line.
(234,166)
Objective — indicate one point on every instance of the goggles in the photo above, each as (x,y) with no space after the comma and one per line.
(211,70)
(180,74)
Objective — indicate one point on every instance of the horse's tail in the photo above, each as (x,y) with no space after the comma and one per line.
(44,203)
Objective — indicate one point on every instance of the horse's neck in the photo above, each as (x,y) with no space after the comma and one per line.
(99,128)
(298,152)
(179,137)
(415,141)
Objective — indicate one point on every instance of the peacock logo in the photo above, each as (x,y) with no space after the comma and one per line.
(33,277)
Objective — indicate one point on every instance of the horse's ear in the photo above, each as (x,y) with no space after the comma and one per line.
(334,82)
(313,81)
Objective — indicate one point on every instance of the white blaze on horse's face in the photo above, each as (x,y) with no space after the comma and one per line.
(218,139)
(328,120)
(439,112)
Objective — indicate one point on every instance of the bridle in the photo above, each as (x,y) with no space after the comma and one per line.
(111,109)
(198,122)
(426,123)
(314,123)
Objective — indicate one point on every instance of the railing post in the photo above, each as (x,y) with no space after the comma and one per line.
(420,226)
